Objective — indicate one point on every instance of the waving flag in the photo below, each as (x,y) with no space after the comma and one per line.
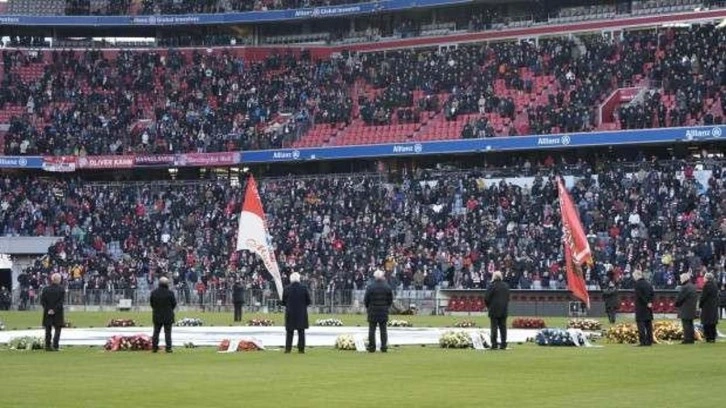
(577,249)
(252,234)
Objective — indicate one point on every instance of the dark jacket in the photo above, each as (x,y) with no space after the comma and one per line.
(238,293)
(296,300)
(709,303)
(611,298)
(686,301)
(722,298)
(643,295)
(378,301)
(52,299)
(497,300)
(163,303)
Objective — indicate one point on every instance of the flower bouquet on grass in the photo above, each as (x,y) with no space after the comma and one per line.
(455,340)
(245,345)
(139,342)
(189,322)
(345,342)
(223,345)
(399,323)
(189,345)
(466,324)
(260,322)
(624,333)
(2,326)
(328,322)
(26,343)
(585,324)
(121,323)
(528,323)
(672,331)
(558,338)
(67,325)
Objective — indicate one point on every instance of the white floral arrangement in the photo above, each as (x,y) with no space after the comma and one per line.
(456,340)
(26,343)
(2,326)
(584,324)
(345,342)
(399,323)
(190,322)
(328,322)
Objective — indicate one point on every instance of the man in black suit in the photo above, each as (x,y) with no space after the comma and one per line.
(163,303)
(378,300)
(643,308)
(709,308)
(497,301)
(52,301)
(610,297)
(686,302)
(238,292)
(296,300)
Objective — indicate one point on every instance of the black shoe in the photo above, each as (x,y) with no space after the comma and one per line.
(384,350)
(155,350)
(372,351)
(169,351)
(301,351)
(287,351)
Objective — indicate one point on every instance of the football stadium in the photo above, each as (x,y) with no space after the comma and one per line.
(353,203)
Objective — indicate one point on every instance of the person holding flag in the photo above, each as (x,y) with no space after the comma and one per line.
(576,248)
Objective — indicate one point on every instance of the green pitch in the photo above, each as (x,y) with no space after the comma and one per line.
(526,376)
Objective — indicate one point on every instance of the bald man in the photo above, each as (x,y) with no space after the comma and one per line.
(52,301)
(163,303)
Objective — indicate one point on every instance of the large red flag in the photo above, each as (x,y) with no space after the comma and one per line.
(577,249)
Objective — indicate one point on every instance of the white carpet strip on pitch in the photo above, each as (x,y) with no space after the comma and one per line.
(269,336)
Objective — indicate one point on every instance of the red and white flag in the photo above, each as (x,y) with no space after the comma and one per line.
(252,233)
(577,249)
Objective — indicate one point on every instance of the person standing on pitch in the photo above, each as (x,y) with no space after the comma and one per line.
(709,308)
(378,300)
(163,303)
(643,308)
(686,302)
(497,301)
(610,296)
(296,300)
(52,301)
(238,292)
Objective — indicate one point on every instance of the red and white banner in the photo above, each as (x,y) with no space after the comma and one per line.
(106,162)
(252,234)
(207,159)
(155,159)
(577,249)
(60,164)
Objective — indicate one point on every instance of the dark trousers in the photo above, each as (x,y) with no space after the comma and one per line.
(709,332)
(645,332)
(372,336)
(612,314)
(237,312)
(723,312)
(167,336)
(56,336)
(300,340)
(498,324)
(689,335)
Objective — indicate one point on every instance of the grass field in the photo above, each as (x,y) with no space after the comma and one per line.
(526,376)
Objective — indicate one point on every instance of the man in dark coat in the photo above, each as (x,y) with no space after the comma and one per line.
(378,300)
(686,302)
(238,292)
(709,308)
(497,301)
(52,301)
(163,303)
(643,308)
(611,299)
(296,300)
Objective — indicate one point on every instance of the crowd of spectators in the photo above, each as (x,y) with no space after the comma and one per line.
(147,7)
(448,229)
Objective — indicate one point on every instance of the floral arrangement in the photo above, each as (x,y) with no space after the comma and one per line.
(662,331)
(26,343)
(121,323)
(455,339)
(2,326)
(139,342)
(345,342)
(466,324)
(585,324)
(67,325)
(245,345)
(399,323)
(672,331)
(328,322)
(557,338)
(528,323)
(624,333)
(189,322)
(260,322)
(189,345)
(224,345)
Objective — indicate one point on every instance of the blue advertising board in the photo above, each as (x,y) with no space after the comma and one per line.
(224,18)
(21,162)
